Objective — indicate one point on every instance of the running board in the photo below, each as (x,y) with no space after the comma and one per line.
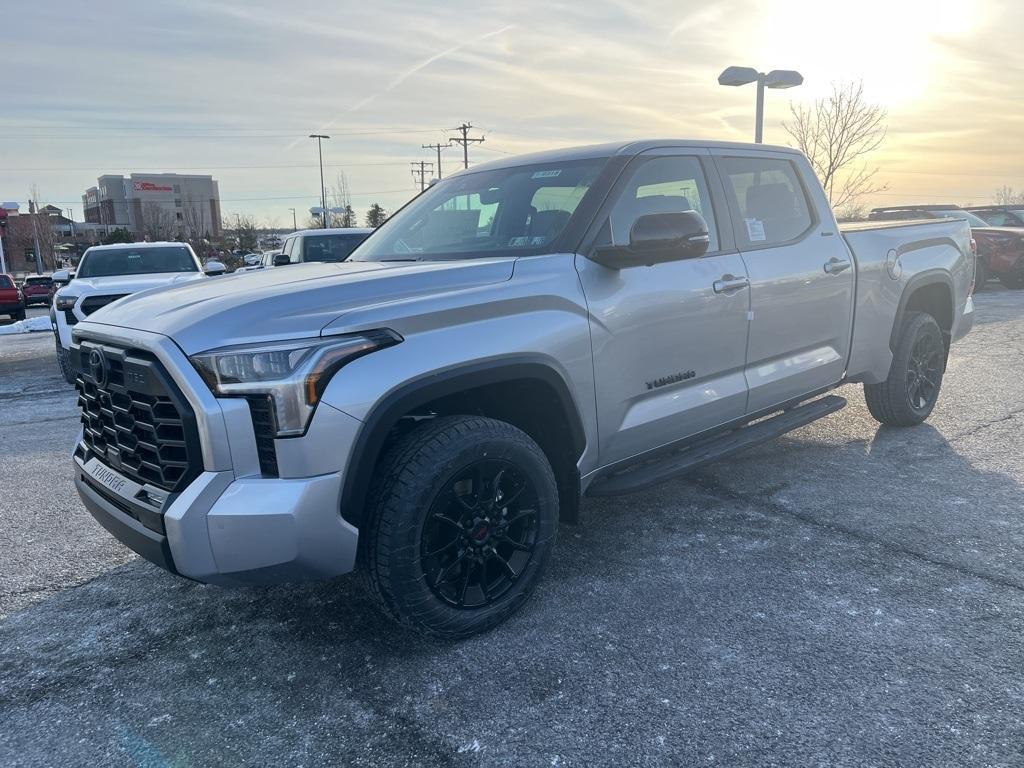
(715,448)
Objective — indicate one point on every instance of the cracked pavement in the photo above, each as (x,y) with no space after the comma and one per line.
(846,595)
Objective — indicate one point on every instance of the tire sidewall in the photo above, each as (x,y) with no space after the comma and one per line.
(415,599)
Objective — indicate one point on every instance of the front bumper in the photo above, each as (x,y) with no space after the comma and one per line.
(231,524)
(226,531)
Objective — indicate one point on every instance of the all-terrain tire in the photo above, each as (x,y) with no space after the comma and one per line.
(64,364)
(421,474)
(901,399)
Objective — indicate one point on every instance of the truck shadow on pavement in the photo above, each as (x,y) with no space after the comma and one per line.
(821,599)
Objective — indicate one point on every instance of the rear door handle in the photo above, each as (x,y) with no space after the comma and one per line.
(729,284)
(834,266)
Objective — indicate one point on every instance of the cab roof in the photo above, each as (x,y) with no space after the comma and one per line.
(619,148)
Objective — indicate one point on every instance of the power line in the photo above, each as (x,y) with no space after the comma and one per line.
(135,135)
(250,199)
(465,141)
(223,167)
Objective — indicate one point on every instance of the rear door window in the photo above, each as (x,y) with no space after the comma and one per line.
(772,204)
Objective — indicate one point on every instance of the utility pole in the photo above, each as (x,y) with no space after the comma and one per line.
(465,141)
(323,190)
(295,226)
(439,146)
(35,237)
(421,172)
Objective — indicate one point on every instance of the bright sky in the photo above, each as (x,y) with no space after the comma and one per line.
(233,88)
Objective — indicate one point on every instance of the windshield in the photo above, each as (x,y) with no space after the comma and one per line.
(504,212)
(975,221)
(136,261)
(330,247)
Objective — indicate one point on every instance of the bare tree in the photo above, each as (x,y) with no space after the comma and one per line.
(836,133)
(157,222)
(339,197)
(44,231)
(196,225)
(1006,195)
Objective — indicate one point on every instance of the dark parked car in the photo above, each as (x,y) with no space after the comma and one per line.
(1000,249)
(37,289)
(1000,215)
(12,301)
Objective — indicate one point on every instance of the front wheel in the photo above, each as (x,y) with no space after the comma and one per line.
(64,364)
(909,394)
(462,517)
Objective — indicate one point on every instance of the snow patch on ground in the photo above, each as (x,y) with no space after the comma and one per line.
(27,326)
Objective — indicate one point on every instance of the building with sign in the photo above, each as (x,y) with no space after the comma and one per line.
(156,205)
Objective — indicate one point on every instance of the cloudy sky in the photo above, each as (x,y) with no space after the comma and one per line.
(233,88)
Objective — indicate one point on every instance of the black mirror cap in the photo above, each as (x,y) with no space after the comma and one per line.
(281,259)
(657,238)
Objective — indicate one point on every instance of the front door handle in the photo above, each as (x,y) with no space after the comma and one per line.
(834,266)
(729,284)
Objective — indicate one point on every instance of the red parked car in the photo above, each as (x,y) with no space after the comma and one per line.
(36,289)
(1000,249)
(12,302)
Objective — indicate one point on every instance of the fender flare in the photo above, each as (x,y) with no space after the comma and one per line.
(936,276)
(424,389)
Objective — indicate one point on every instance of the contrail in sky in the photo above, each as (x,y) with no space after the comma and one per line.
(406,74)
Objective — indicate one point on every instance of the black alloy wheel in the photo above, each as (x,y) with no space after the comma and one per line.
(924,373)
(480,534)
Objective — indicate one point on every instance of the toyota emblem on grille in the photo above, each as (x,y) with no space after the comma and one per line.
(98,367)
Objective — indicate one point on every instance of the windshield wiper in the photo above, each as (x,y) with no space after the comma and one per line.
(399,260)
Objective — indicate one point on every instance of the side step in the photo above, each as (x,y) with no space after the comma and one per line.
(715,448)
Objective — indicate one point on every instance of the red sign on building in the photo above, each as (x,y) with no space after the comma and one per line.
(148,186)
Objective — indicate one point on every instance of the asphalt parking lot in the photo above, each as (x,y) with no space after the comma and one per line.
(847,595)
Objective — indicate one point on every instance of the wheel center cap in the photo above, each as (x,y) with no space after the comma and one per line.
(480,532)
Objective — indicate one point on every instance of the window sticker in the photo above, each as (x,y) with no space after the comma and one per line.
(546,174)
(516,242)
(755,230)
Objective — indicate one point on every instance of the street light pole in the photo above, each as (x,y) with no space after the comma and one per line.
(776,79)
(323,189)
(295,226)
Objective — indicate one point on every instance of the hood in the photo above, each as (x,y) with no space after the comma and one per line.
(287,302)
(127,283)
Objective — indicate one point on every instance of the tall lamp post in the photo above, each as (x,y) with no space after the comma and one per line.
(323,190)
(295,225)
(777,78)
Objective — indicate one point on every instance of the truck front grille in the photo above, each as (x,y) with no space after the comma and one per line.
(91,303)
(134,419)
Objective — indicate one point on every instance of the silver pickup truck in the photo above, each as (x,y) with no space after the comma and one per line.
(585,321)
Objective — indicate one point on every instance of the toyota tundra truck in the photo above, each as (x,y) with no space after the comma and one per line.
(588,321)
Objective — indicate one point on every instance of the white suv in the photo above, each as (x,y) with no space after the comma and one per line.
(107,273)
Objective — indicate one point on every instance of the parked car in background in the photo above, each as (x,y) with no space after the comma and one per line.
(1000,215)
(583,321)
(107,273)
(37,289)
(325,245)
(1000,250)
(12,301)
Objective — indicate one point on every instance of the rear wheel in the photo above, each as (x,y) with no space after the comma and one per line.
(463,516)
(64,364)
(909,394)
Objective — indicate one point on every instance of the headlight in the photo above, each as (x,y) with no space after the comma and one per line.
(292,374)
(64,302)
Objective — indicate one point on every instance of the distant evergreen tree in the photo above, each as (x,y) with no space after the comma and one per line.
(119,235)
(375,216)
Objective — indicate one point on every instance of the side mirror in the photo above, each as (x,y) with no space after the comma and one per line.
(656,238)
(214,268)
(61,276)
(280,259)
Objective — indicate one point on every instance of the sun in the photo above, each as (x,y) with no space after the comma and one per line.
(893,46)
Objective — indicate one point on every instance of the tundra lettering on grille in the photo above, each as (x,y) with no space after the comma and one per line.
(134,419)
